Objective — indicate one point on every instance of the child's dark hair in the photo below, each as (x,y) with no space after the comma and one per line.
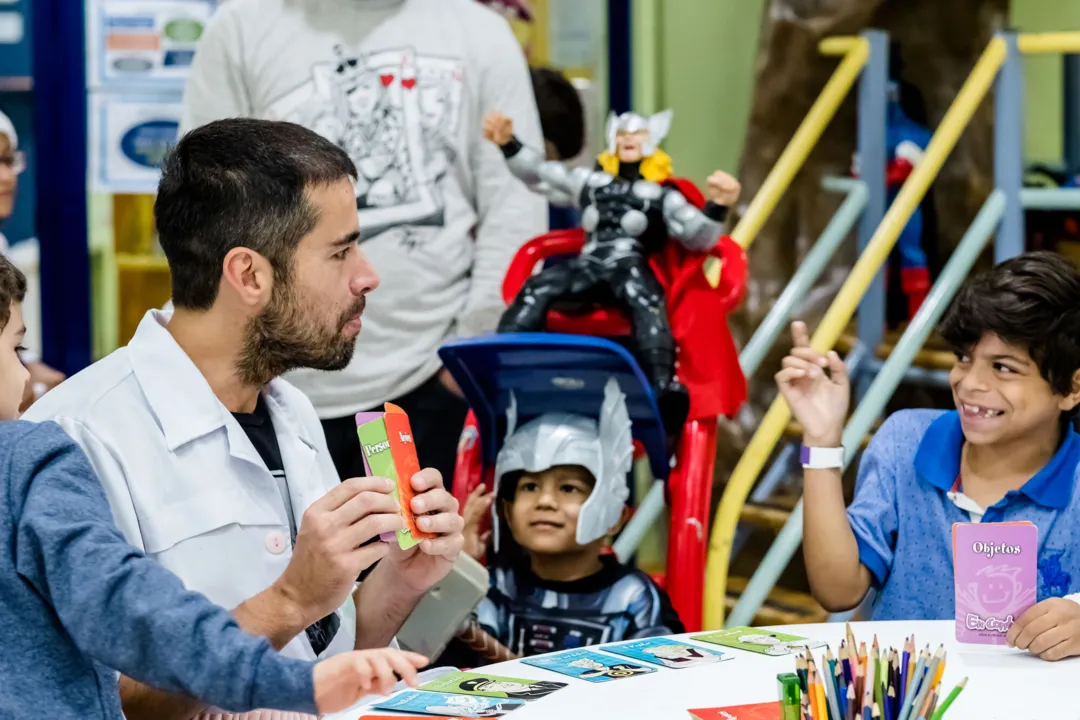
(12,289)
(562,116)
(1031,301)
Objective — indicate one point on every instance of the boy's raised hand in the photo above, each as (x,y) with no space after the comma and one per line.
(818,400)
(343,679)
(1050,629)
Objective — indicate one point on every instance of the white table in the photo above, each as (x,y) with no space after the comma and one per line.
(1003,684)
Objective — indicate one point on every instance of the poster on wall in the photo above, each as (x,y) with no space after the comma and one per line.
(129,136)
(143,42)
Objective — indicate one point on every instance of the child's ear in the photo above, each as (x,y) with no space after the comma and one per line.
(1071,400)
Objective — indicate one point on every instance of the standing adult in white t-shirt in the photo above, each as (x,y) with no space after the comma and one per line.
(12,162)
(402,86)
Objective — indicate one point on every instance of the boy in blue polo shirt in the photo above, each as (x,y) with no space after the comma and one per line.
(1008,452)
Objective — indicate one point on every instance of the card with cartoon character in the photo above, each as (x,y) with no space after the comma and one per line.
(995,567)
(756,640)
(588,665)
(665,653)
(494,686)
(446,705)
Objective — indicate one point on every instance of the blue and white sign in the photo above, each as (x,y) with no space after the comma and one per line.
(130,135)
(143,43)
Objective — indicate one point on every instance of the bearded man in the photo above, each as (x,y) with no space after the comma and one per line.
(214,465)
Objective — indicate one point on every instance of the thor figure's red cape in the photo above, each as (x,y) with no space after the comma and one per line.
(707,362)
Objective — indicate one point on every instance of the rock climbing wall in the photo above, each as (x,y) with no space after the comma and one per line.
(939,42)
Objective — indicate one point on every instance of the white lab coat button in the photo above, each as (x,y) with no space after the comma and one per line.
(275,543)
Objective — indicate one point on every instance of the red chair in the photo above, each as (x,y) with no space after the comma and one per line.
(707,363)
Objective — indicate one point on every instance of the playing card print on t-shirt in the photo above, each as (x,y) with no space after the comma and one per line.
(396,114)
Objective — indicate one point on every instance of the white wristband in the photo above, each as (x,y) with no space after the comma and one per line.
(816,458)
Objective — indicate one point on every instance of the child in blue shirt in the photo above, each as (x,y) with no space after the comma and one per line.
(77,602)
(1008,452)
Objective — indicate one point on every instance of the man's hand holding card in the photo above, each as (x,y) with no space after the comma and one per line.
(426,547)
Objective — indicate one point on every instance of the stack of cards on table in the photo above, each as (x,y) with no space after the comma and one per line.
(470,694)
(756,640)
(665,653)
(995,566)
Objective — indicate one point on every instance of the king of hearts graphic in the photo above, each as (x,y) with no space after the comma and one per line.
(396,114)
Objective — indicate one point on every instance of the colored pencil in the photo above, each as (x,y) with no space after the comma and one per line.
(909,650)
(868,690)
(934,696)
(924,692)
(889,698)
(941,668)
(949,700)
(913,689)
(823,703)
(814,706)
(849,714)
(849,671)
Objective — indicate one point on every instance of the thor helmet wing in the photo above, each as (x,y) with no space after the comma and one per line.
(659,126)
(605,503)
(611,130)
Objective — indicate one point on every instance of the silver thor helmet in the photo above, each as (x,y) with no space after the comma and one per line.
(604,448)
(656,125)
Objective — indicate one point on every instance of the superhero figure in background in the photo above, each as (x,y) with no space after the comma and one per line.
(906,139)
(631,209)
(905,142)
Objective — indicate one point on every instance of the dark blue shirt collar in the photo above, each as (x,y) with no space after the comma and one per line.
(937,461)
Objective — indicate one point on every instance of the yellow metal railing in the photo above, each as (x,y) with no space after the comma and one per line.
(837,318)
(1048,43)
(856,52)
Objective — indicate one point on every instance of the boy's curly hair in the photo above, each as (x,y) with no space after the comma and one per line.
(12,289)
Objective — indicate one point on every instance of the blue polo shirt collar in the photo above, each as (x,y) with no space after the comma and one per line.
(937,462)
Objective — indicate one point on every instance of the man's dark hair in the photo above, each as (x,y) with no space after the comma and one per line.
(239,183)
(12,289)
(1031,301)
(562,116)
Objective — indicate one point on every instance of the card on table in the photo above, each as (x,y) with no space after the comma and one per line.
(442,704)
(756,640)
(665,653)
(389,452)
(493,686)
(757,711)
(995,567)
(588,665)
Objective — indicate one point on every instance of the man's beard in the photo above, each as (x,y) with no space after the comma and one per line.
(286,336)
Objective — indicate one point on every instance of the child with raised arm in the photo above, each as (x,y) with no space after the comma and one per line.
(1007,452)
(79,602)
